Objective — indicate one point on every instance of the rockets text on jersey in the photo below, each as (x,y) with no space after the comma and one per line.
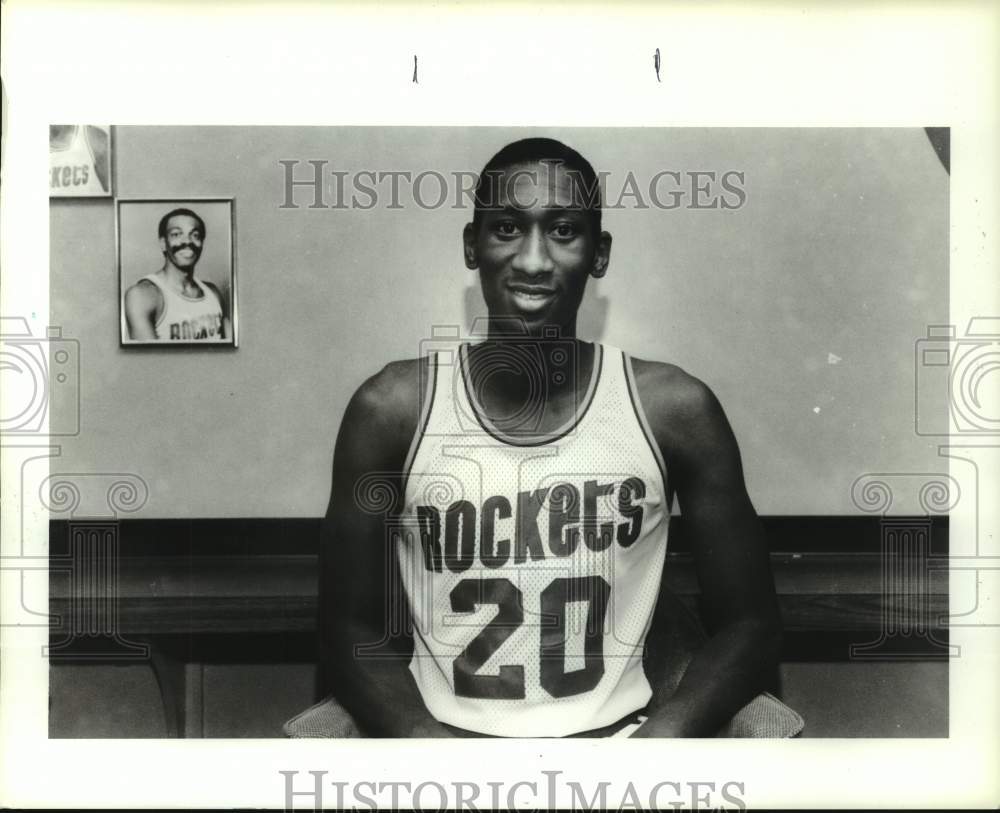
(532,567)
(188,318)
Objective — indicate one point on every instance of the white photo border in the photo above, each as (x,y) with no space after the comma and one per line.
(808,64)
(232,342)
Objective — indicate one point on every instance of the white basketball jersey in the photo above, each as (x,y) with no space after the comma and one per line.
(72,167)
(532,565)
(188,318)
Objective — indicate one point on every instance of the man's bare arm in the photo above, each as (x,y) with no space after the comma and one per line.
(140,310)
(731,558)
(357,595)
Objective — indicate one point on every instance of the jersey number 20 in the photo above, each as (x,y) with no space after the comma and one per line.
(508,684)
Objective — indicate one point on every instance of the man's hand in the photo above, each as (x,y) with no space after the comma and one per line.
(665,728)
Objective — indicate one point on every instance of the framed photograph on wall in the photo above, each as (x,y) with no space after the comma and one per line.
(177,271)
(80,161)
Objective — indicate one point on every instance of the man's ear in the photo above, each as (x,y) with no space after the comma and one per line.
(602,256)
(163,245)
(469,246)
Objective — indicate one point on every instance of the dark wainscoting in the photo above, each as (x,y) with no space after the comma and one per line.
(245,576)
(176,592)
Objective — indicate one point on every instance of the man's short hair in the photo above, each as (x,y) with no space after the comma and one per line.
(537,150)
(166,219)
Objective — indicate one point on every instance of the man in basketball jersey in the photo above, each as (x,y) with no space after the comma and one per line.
(512,500)
(171,304)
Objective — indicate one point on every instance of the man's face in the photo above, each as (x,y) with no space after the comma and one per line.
(183,241)
(535,247)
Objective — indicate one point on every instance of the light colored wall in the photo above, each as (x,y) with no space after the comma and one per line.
(841,248)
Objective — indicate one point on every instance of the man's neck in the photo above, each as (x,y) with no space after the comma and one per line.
(506,328)
(178,278)
(513,366)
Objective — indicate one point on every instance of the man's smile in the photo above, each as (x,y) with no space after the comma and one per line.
(531,297)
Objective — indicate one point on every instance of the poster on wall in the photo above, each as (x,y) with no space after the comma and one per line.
(176,271)
(79,161)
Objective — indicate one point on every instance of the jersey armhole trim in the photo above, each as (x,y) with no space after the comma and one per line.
(209,289)
(640,414)
(90,147)
(425,414)
(163,298)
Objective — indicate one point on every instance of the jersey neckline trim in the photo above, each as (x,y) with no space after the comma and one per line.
(541,440)
(201,286)
(164,290)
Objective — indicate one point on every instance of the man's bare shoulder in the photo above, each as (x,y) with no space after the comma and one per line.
(389,401)
(668,389)
(143,293)
(686,418)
